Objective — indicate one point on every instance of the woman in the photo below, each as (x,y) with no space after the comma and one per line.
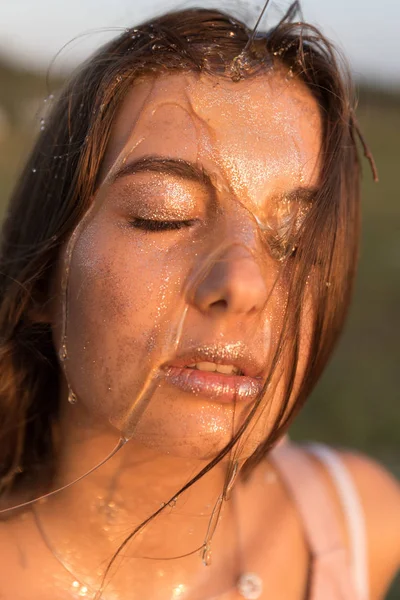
(176,266)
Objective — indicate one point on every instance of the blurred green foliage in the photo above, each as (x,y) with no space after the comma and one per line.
(357,402)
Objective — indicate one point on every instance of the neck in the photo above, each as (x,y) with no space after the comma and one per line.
(106,507)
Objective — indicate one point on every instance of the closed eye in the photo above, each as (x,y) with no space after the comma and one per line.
(154,225)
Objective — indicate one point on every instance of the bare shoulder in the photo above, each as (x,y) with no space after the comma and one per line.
(379,494)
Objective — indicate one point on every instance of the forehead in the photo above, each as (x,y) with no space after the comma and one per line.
(255,135)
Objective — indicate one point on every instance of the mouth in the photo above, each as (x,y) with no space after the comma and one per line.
(221,374)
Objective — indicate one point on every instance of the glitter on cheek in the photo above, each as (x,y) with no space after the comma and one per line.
(121,289)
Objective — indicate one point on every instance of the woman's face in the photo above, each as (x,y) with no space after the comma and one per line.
(175,294)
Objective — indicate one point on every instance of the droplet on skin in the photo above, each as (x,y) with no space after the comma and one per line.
(72,399)
(178,591)
(206,558)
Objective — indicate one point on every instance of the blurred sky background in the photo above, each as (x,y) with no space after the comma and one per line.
(33,31)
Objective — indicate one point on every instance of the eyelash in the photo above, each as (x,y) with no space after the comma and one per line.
(162,226)
(153,225)
(157,226)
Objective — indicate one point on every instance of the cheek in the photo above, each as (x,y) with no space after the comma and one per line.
(111,286)
(122,304)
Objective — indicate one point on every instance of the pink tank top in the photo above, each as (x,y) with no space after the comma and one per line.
(337,572)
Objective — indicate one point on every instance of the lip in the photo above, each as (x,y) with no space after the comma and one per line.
(235,354)
(214,385)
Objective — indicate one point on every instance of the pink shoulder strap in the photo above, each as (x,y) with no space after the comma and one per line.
(352,511)
(331,570)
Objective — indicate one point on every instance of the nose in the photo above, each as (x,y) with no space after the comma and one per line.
(234,283)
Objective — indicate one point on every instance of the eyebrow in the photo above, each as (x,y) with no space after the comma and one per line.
(177,167)
(303,194)
(187,170)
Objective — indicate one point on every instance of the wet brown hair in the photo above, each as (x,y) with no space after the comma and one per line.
(61,175)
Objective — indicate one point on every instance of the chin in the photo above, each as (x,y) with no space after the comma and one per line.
(185,426)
